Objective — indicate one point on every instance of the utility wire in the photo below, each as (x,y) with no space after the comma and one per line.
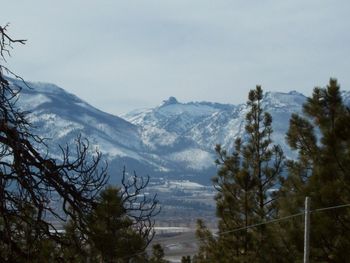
(282,219)
(253,225)
(329,208)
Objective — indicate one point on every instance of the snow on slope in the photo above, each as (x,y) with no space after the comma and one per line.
(202,125)
(61,117)
(175,139)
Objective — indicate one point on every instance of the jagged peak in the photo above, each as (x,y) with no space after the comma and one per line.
(170,101)
(294,92)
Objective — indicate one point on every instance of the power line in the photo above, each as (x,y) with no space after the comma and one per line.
(329,208)
(254,225)
(280,219)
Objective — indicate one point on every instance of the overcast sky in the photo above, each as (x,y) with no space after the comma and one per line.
(121,55)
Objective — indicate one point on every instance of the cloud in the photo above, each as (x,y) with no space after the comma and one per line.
(142,52)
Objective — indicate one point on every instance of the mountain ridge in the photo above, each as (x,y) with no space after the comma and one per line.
(173,139)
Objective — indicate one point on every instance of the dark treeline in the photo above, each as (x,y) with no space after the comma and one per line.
(255,184)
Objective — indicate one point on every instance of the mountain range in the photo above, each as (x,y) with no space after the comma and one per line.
(172,140)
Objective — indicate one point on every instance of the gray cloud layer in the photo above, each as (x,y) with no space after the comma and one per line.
(120,55)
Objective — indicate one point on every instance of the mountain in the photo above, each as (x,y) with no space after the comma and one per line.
(173,140)
(60,117)
(188,132)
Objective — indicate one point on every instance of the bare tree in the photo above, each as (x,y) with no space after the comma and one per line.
(120,226)
(138,206)
(30,178)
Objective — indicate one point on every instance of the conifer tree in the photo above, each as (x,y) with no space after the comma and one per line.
(208,246)
(119,228)
(110,229)
(109,237)
(157,254)
(244,182)
(322,172)
(186,259)
(38,246)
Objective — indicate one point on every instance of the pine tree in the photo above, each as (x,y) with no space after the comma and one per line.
(38,246)
(110,235)
(186,259)
(322,171)
(110,229)
(119,228)
(244,182)
(157,254)
(208,246)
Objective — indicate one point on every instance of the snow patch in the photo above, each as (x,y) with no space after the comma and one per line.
(29,102)
(195,159)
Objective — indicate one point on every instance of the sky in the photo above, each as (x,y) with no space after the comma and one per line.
(124,55)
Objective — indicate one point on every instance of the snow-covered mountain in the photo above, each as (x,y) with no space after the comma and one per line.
(172,140)
(190,131)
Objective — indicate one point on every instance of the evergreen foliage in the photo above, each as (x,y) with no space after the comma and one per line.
(157,255)
(110,229)
(321,138)
(322,171)
(111,235)
(38,246)
(244,182)
(186,259)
